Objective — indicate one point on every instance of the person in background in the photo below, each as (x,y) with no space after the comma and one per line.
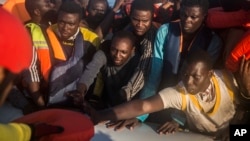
(116,62)
(13,62)
(173,42)
(63,52)
(167,11)
(36,9)
(204,94)
(100,16)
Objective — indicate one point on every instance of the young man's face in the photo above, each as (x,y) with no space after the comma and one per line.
(121,50)
(191,18)
(141,21)
(68,24)
(196,77)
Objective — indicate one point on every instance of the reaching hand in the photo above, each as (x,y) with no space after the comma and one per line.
(43,129)
(118,125)
(94,115)
(169,128)
(223,135)
(244,75)
(76,96)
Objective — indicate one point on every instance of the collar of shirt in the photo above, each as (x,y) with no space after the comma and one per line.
(207,95)
(73,37)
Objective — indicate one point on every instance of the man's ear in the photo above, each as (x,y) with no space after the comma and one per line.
(37,12)
(210,73)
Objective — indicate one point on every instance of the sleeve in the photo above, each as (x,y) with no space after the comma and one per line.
(155,75)
(15,132)
(171,98)
(93,68)
(32,74)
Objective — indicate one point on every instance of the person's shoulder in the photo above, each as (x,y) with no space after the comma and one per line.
(224,75)
(86,31)
(90,36)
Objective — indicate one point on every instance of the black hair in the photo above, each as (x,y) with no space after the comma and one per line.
(71,7)
(125,34)
(94,1)
(200,55)
(203,4)
(145,5)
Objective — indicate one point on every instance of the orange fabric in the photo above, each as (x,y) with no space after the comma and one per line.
(77,127)
(242,48)
(17,8)
(44,55)
(57,49)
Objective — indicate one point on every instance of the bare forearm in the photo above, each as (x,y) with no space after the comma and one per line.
(123,111)
(132,109)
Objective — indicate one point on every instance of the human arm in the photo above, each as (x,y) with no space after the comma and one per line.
(88,76)
(167,98)
(32,81)
(135,108)
(105,25)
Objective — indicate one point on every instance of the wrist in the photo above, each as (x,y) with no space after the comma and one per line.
(81,88)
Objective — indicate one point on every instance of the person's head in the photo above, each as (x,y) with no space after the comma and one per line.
(141,16)
(69,18)
(122,47)
(192,14)
(97,10)
(197,71)
(38,8)
(83,3)
(15,52)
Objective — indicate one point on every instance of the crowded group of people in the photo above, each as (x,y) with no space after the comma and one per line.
(171,62)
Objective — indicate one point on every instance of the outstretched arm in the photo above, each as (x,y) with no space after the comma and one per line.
(129,110)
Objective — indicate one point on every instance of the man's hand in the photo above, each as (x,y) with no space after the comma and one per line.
(222,135)
(118,125)
(94,115)
(244,76)
(169,128)
(76,96)
(43,129)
